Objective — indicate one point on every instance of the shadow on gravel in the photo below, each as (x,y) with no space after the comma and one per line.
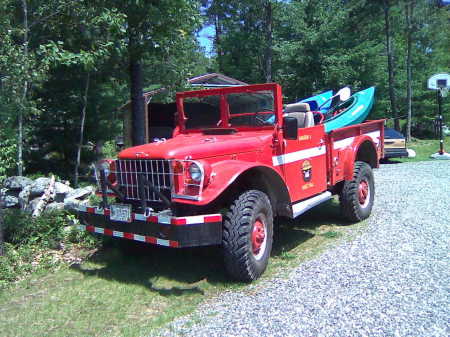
(178,272)
(390,161)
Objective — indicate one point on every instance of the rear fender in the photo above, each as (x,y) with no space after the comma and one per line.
(363,150)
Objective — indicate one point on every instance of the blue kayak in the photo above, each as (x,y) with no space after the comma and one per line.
(316,101)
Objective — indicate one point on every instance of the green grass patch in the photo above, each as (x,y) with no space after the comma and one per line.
(129,289)
(424,148)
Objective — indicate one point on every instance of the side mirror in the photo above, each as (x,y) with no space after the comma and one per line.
(290,128)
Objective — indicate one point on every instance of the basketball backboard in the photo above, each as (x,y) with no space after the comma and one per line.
(439,81)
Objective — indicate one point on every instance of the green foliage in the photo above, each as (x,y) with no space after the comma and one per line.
(29,242)
(46,230)
(7,155)
(16,262)
(322,45)
(109,149)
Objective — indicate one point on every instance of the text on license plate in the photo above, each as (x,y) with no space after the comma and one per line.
(120,212)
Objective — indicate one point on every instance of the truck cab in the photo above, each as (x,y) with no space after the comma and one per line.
(236,160)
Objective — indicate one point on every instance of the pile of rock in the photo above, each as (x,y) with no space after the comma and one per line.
(25,193)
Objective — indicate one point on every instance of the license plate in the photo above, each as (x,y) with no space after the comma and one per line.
(120,212)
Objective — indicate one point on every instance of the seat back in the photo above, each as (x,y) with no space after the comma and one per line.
(301,112)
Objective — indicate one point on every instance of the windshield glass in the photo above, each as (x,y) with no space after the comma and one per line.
(202,112)
(246,109)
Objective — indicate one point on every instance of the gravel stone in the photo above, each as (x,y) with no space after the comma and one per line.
(392,280)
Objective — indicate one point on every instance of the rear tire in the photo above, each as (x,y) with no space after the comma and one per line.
(248,235)
(357,195)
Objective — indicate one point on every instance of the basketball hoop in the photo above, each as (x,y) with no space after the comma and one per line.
(440,83)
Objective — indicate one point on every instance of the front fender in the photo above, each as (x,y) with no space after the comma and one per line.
(223,174)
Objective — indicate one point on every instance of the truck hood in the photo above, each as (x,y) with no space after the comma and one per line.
(198,146)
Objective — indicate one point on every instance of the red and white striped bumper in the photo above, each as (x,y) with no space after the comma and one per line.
(169,231)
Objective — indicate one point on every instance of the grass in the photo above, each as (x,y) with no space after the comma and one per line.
(424,148)
(133,291)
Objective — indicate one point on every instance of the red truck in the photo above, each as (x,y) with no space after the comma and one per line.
(237,159)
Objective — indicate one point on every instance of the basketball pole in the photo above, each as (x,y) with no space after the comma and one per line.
(441,154)
(441,124)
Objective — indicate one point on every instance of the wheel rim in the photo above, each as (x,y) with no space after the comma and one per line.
(363,193)
(259,239)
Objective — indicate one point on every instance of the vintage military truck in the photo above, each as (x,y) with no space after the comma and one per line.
(236,161)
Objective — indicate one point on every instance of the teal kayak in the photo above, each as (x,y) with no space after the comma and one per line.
(352,111)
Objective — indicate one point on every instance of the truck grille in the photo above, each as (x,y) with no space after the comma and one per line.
(129,175)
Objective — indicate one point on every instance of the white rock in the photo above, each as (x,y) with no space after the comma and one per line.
(38,186)
(17,182)
(61,191)
(80,193)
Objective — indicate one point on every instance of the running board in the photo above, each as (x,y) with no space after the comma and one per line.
(302,206)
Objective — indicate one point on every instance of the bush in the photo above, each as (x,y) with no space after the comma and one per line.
(31,243)
(45,231)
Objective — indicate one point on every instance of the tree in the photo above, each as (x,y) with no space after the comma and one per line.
(268,25)
(390,60)
(243,37)
(1,228)
(152,27)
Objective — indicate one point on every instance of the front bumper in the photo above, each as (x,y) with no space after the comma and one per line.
(169,231)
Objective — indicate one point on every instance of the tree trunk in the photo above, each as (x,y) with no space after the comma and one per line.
(218,42)
(268,52)
(136,91)
(83,119)
(2,251)
(22,106)
(391,65)
(137,102)
(409,6)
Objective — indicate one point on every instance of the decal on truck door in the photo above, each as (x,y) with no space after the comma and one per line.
(306,170)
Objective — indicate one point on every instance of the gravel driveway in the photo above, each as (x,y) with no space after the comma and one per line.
(393,280)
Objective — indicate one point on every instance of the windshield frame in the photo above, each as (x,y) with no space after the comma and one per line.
(224,108)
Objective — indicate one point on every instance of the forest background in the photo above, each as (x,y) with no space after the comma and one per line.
(67,66)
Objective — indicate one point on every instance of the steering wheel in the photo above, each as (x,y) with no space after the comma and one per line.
(258,120)
(321,117)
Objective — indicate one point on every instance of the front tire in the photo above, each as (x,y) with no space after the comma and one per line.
(357,195)
(248,235)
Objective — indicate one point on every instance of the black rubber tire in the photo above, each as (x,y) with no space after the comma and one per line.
(240,261)
(351,208)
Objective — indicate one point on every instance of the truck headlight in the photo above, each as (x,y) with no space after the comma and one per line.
(195,172)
